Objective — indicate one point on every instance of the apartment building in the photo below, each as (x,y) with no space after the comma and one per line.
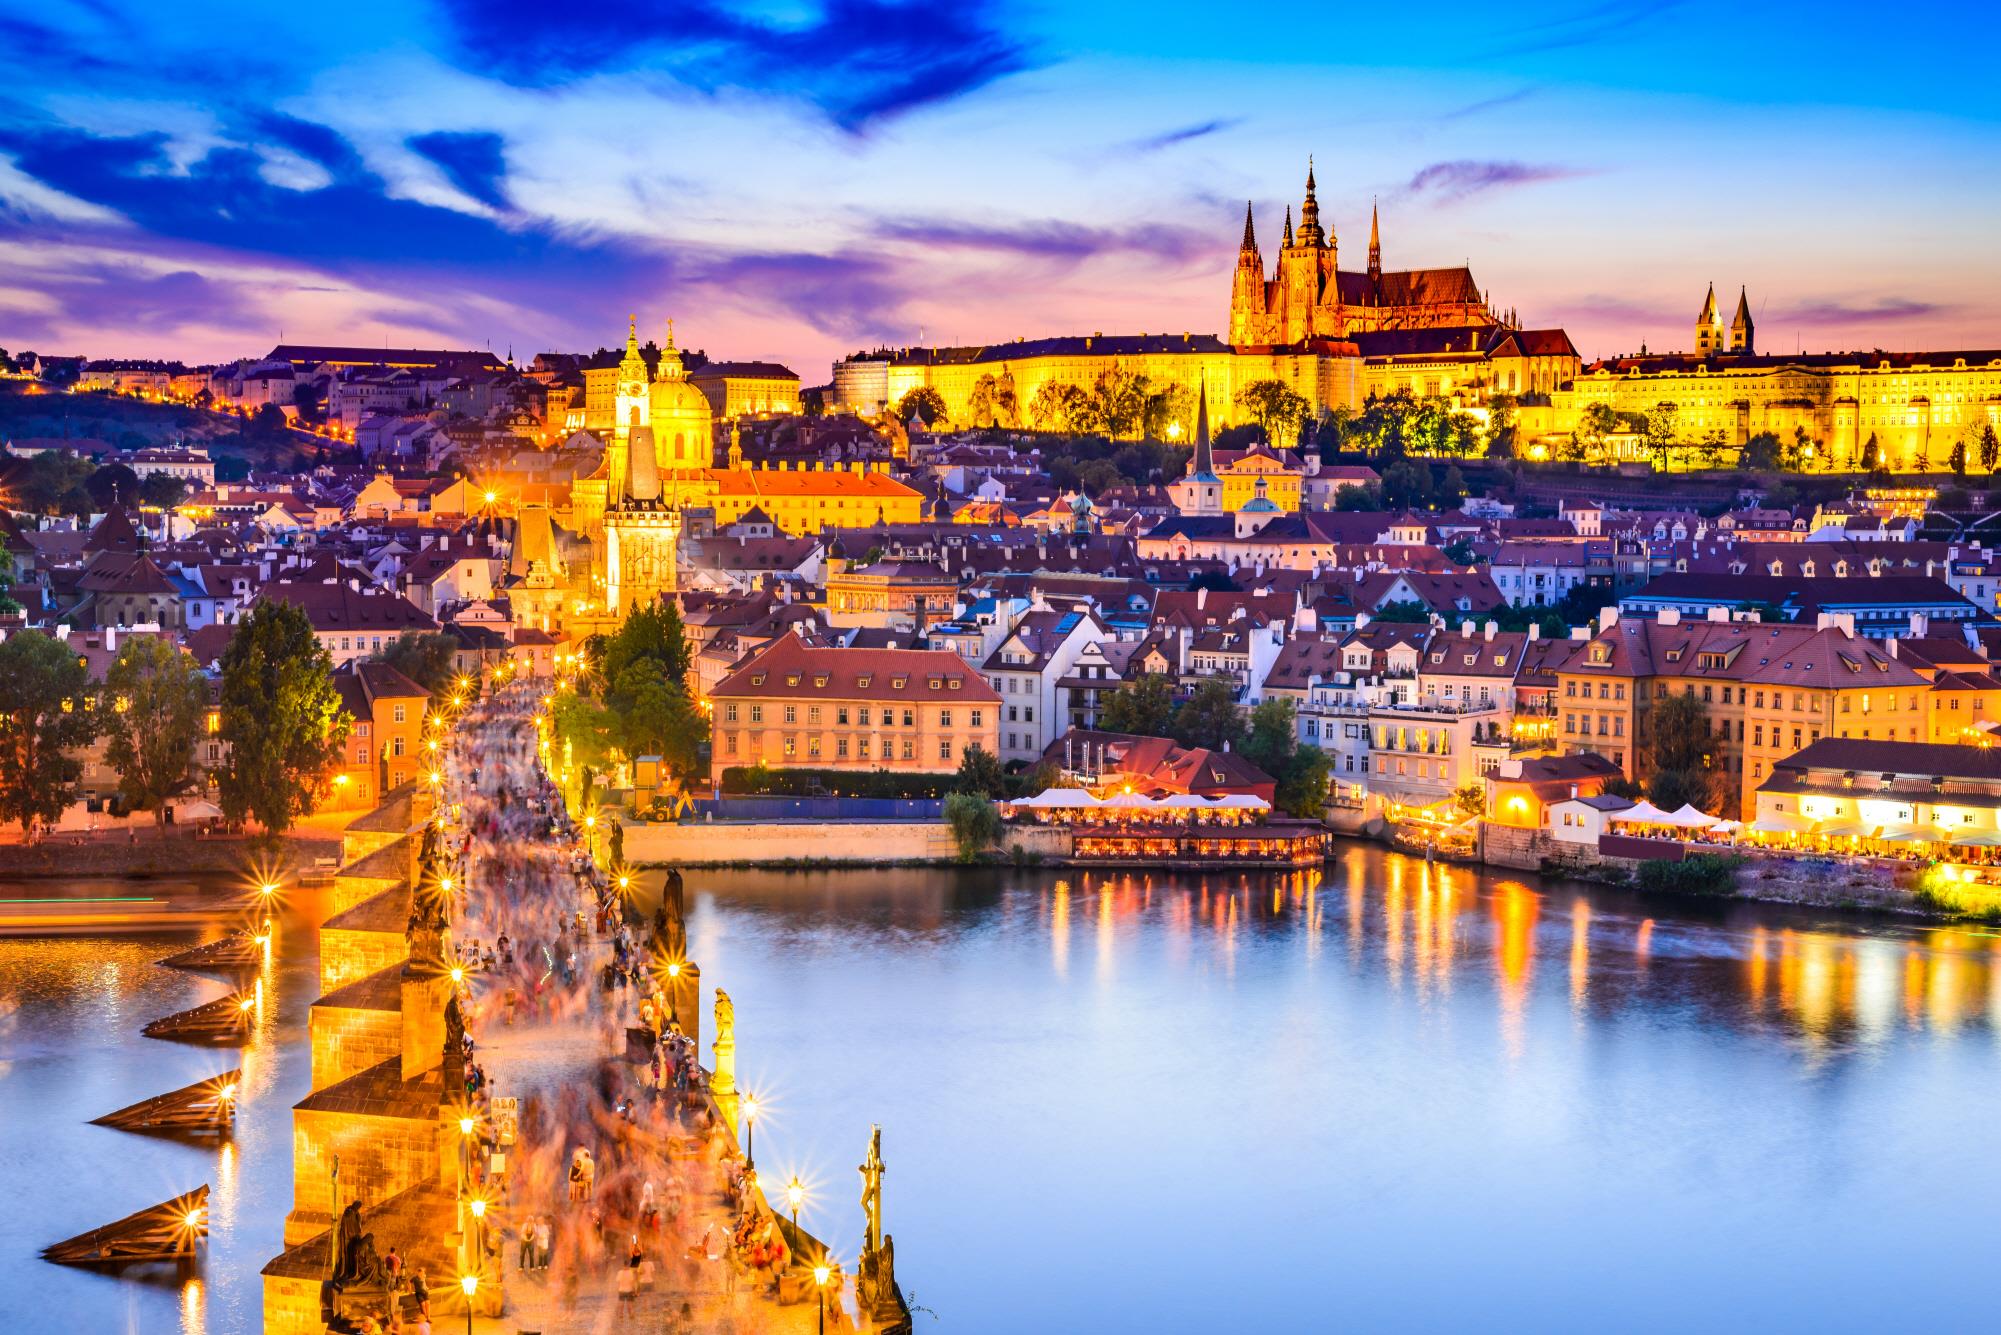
(905,710)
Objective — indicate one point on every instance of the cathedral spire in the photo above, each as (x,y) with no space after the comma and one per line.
(1288,227)
(1375,247)
(1309,214)
(1741,329)
(1205,460)
(1250,246)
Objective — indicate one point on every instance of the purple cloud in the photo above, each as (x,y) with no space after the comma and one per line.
(1843,312)
(131,298)
(1170,138)
(1450,182)
(845,295)
(1053,240)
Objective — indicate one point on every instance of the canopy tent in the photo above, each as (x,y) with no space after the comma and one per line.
(1058,798)
(199,809)
(1686,814)
(1185,802)
(1644,813)
(1242,802)
(1726,827)
(1129,801)
(1976,839)
(1778,824)
(1844,831)
(1907,837)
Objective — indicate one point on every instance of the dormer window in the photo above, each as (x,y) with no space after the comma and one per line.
(791,679)
(757,679)
(862,681)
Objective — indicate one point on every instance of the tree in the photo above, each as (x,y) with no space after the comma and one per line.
(1144,707)
(1796,455)
(162,490)
(1710,448)
(925,398)
(1407,484)
(268,423)
(1663,421)
(975,823)
(1678,751)
(113,484)
(425,657)
(1598,422)
(1210,717)
(1957,459)
(993,402)
(1990,449)
(1348,496)
(654,716)
(980,772)
(155,701)
(1872,454)
(1273,405)
(1501,426)
(1059,405)
(1470,799)
(1403,611)
(1119,397)
(650,632)
(53,484)
(1302,789)
(1169,411)
(1761,452)
(1270,739)
(582,729)
(282,721)
(44,717)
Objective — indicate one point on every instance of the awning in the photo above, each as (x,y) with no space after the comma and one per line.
(1908,836)
(1974,840)
(1686,814)
(1243,802)
(200,809)
(1776,824)
(1844,831)
(1057,797)
(1644,813)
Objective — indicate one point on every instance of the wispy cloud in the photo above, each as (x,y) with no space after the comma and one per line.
(1586,26)
(858,61)
(1051,240)
(1839,312)
(1170,138)
(1488,104)
(475,163)
(1450,182)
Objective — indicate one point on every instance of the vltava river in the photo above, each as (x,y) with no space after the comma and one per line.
(1393,1097)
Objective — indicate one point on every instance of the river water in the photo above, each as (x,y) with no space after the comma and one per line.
(1389,1097)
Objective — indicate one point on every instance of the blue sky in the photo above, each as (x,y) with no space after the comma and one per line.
(798,180)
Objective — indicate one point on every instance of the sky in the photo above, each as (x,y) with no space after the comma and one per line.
(797,181)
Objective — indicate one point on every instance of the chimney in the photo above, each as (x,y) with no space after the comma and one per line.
(1535,631)
(1492,626)
(1465,630)
(1669,616)
(1607,618)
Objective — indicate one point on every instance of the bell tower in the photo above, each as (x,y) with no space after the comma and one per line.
(1247,288)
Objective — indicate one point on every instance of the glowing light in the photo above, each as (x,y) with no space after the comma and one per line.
(227,1092)
(624,882)
(478,1208)
(491,497)
(465,1126)
(245,1004)
(458,974)
(445,884)
(674,969)
(269,888)
(192,1219)
(795,1192)
(470,1283)
(820,1274)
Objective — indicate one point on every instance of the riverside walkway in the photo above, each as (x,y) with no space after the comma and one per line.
(666,1233)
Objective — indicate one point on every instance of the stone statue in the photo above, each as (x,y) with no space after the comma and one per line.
(674,913)
(722,1085)
(871,1171)
(355,1261)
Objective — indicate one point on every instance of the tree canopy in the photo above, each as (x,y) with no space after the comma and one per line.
(1143,707)
(282,719)
(155,701)
(44,717)
(425,657)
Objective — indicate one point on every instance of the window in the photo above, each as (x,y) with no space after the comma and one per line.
(757,713)
(812,713)
(729,713)
(861,748)
(841,716)
(944,748)
(979,716)
(396,713)
(840,748)
(863,716)
(1028,713)
(909,719)
(944,718)
(791,713)
(813,746)
(729,743)
(908,752)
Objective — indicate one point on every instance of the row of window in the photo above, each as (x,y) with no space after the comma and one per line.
(858,748)
(864,715)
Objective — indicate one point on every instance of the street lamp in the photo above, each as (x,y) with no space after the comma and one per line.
(749,1106)
(795,1192)
(820,1274)
(470,1283)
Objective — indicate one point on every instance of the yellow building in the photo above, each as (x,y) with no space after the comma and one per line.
(1255,473)
(741,389)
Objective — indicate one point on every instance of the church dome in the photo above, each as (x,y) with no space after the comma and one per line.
(683,427)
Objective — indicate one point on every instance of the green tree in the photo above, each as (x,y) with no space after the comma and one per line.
(113,484)
(52,483)
(1678,752)
(925,398)
(980,772)
(1872,454)
(1275,407)
(1663,424)
(1302,789)
(654,716)
(1761,453)
(1407,484)
(1119,397)
(425,657)
(974,821)
(1210,717)
(1990,449)
(1059,405)
(993,402)
(1957,459)
(282,721)
(1170,409)
(582,729)
(1271,735)
(1348,496)
(163,490)
(1500,436)
(1403,611)
(155,701)
(655,632)
(1470,799)
(1144,707)
(1597,422)
(44,718)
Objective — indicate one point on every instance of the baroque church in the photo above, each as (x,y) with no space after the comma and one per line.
(1308,298)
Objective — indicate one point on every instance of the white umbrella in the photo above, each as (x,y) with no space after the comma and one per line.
(1686,814)
(1186,802)
(1644,813)
(199,809)
(1243,802)
(1132,801)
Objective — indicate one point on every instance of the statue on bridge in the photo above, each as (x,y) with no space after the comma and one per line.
(876,1296)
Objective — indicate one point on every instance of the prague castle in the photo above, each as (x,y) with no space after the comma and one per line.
(1334,337)
(1308,299)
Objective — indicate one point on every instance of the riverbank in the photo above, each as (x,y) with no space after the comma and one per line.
(68,857)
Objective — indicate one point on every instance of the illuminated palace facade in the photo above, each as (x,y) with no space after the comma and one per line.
(1917,405)
(1306,322)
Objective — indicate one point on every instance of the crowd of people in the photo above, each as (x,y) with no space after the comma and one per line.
(618,1171)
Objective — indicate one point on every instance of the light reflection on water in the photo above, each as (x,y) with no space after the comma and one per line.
(71,1049)
(1411,1096)
(1388,1097)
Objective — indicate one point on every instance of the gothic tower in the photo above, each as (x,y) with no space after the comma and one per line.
(1709,326)
(1742,334)
(1375,252)
(1247,288)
